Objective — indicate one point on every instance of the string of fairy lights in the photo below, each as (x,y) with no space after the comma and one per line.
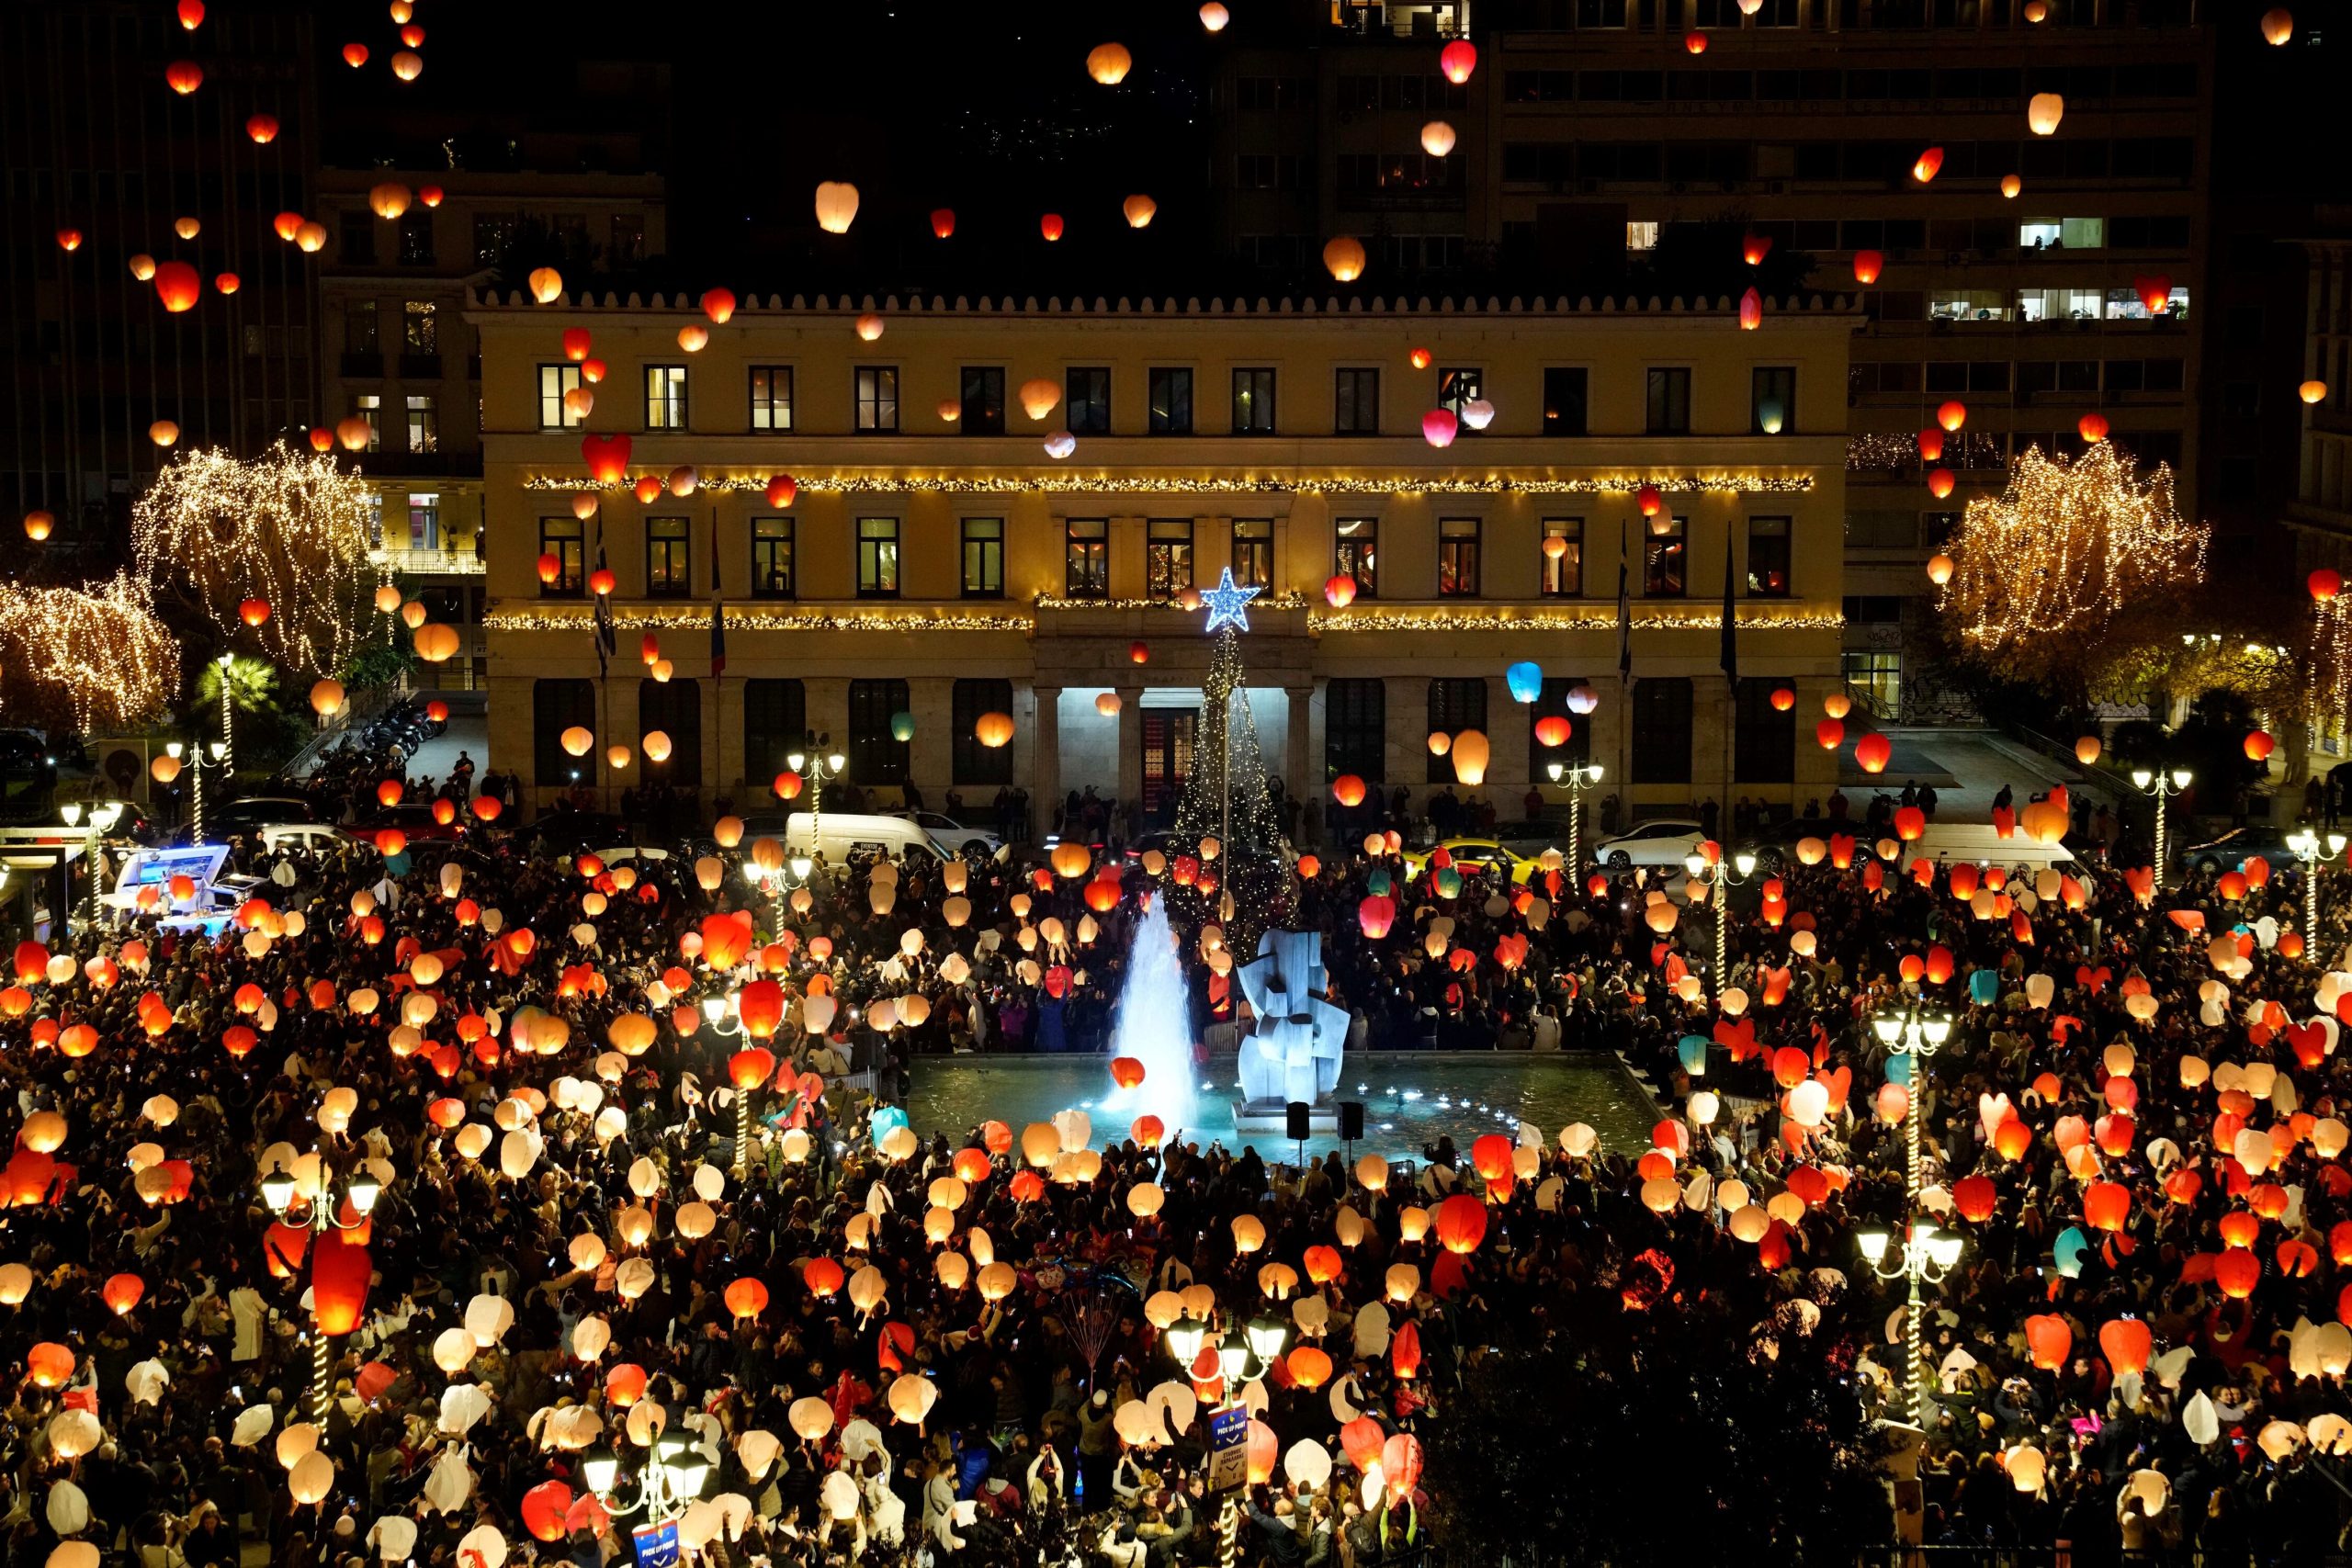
(88,659)
(1217,484)
(1600,617)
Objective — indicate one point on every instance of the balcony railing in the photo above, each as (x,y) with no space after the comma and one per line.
(428,562)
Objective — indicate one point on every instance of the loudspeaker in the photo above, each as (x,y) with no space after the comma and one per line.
(1295,1121)
(1351,1120)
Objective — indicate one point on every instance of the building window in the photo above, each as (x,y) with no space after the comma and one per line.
(983,558)
(1670,400)
(424,423)
(772,540)
(1764,739)
(1355,731)
(983,400)
(1167,557)
(1087,558)
(494,231)
(877,557)
(416,238)
(1666,558)
(628,248)
(673,707)
(369,406)
(424,522)
(554,381)
(1086,399)
(1767,558)
(1876,676)
(1458,557)
(1565,399)
(876,755)
(1454,706)
(1773,394)
(1662,730)
(973,762)
(1459,388)
(1563,564)
(877,397)
(556,707)
(775,725)
(669,573)
(1171,389)
(1552,702)
(1253,552)
(1253,402)
(358,244)
(420,327)
(771,397)
(1357,553)
(1355,403)
(561,538)
(665,396)
(362,329)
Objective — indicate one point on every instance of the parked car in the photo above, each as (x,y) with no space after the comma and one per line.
(413,817)
(2235,848)
(1663,841)
(951,837)
(1475,857)
(248,814)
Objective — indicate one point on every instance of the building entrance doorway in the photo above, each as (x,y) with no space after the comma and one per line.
(1168,735)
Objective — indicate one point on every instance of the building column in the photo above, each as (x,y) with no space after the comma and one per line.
(1406,701)
(1045,760)
(722,738)
(930,755)
(1295,780)
(1131,745)
(1510,767)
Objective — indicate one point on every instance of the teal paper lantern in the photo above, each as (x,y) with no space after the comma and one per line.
(1693,1049)
(1378,884)
(887,1119)
(2072,1247)
(1449,883)
(1525,680)
(902,727)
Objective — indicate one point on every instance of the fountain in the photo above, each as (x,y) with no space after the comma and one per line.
(1155,1026)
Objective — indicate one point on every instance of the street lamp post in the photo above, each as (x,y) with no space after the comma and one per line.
(102,816)
(2157,786)
(1260,1341)
(1579,777)
(1721,877)
(724,1016)
(819,764)
(281,1192)
(1927,1255)
(2306,845)
(1919,1036)
(673,1476)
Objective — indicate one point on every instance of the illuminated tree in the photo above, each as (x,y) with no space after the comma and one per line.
(288,528)
(2075,570)
(79,659)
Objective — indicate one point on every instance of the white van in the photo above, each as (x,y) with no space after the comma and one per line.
(844,833)
(1980,843)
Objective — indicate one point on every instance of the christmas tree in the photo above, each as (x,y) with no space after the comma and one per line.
(1225,798)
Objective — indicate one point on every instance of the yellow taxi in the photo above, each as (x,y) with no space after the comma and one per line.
(1476,856)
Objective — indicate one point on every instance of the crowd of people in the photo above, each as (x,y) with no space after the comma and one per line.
(950,1343)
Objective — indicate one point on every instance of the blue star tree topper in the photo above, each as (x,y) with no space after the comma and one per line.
(1228,604)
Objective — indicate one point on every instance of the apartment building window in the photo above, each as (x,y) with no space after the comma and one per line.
(420,327)
(1167,557)
(1355,403)
(1666,558)
(983,400)
(1764,739)
(1552,702)
(1454,706)
(983,558)
(494,231)
(1253,552)
(1670,400)
(556,707)
(1086,543)
(1086,399)
(668,558)
(1355,729)
(1356,553)
(424,423)
(357,247)
(628,247)
(665,396)
(369,406)
(1458,557)
(562,537)
(973,762)
(416,238)
(673,707)
(1876,676)
(1773,399)
(876,755)
(1767,558)
(1662,730)
(772,541)
(1459,388)
(1253,402)
(1562,568)
(554,381)
(1171,391)
(363,331)
(771,397)
(1566,407)
(775,723)
(877,557)
(877,398)
(423,522)
(2063,233)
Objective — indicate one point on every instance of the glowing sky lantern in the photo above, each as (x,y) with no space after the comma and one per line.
(1437,139)
(1343,257)
(1139,211)
(1457,60)
(1109,63)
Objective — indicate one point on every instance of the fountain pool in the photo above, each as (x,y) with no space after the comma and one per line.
(1410,1099)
